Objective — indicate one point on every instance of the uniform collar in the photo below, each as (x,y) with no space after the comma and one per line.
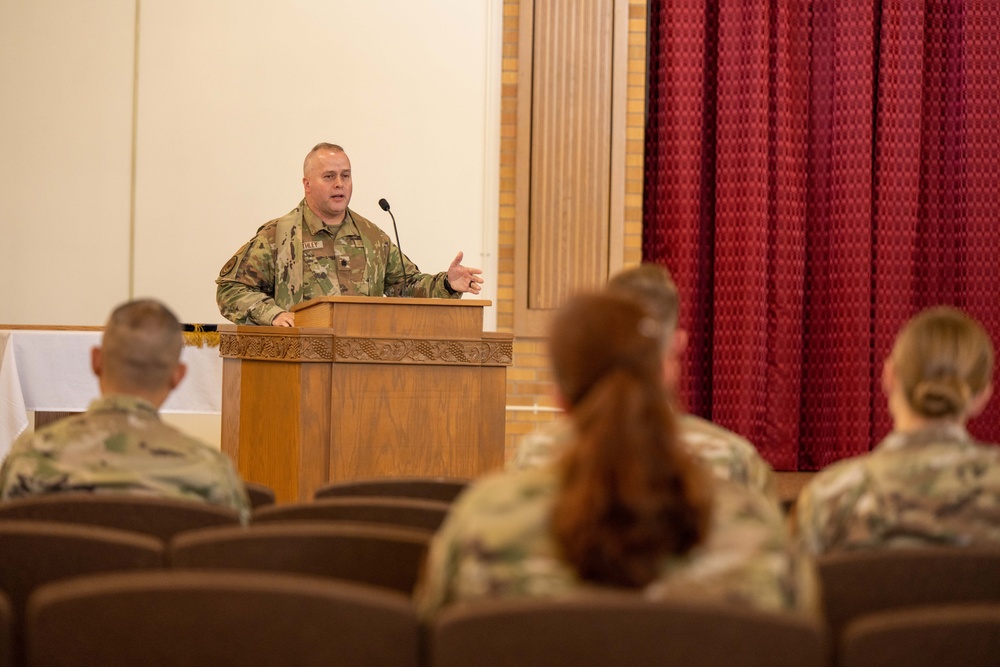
(123,403)
(932,434)
(315,225)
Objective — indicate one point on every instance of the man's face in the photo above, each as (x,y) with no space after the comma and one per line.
(327,183)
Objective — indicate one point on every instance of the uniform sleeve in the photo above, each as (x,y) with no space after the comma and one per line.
(424,285)
(6,471)
(746,558)
(433,591)
(825,507)
(233,490)
(245,286)
(22,472)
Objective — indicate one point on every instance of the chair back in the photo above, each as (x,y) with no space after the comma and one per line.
(962,634)
(383,556)
(624,630)
(33,553)
(428,488)
(251,619)
(159,517)
(855,583)
(406,512)
(260,495)
(6,632)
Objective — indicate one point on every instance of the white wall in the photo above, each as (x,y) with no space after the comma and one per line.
(143,141)
(65,159)
(229,96)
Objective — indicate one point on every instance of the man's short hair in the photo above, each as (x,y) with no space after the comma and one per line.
(141,345)
(322,146)
(653,286)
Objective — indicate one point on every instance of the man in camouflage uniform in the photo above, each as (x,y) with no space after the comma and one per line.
(322,248)
(730,456)
(120,444)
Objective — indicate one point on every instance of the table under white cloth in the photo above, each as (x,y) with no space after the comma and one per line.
(49,371)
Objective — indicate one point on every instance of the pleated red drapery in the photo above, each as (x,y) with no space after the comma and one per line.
(816,173)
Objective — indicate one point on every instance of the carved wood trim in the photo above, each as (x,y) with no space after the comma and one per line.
(329,348)
(289,348)
(423,351)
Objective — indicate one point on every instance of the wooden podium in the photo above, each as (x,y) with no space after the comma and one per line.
(364,387)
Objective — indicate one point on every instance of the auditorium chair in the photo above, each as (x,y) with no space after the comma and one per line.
(860,582)
(249,619)
(260,495)
(33,553)
(624,630)
(6,632)
(404,512)
(384,556)
(961,634)
(151,515)
(428,488)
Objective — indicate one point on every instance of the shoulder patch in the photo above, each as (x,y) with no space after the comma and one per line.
(232,260)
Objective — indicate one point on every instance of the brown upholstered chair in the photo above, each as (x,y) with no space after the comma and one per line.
(406,512)
(33,553)
(6,632)
(384,556)
(250,619)
(159,517)
(260,495)
(855,583)
(961,634)
(623,630)
(428,488)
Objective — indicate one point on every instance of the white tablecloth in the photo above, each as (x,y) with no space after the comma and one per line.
(49,371)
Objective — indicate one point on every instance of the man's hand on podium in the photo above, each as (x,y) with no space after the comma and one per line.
(284,319)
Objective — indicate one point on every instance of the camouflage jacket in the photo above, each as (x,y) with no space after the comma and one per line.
(933,486)
(297,257)
(120,445)
(730,456)
(496,543)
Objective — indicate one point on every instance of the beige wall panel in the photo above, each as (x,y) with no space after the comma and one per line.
(65,154)
(570,148)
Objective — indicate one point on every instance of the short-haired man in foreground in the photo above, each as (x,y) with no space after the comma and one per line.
(730,456)
(120,444)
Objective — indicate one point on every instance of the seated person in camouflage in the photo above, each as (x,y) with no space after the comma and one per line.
(729,455)
(323,248)
(928,482)
(624,506)
(120,444)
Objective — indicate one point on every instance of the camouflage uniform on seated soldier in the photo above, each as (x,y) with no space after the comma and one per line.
(120,445)
(928,482)
(625,505)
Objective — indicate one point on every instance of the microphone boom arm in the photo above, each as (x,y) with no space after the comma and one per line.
(384,205)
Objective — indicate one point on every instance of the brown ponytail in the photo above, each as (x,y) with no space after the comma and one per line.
(629,494)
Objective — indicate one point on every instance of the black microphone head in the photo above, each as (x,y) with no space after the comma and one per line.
(384,204)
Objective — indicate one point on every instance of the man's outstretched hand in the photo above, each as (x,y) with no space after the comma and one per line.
(463,278)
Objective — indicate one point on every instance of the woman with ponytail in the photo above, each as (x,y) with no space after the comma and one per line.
(625,505)
(928,482)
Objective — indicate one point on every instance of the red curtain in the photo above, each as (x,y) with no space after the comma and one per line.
(816,173)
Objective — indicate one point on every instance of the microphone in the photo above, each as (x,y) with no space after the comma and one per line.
(384,205)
